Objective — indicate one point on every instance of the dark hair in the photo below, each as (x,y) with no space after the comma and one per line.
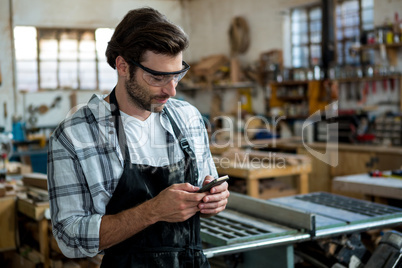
(142,30)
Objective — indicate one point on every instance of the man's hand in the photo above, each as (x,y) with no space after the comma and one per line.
(216,199)
(176,203)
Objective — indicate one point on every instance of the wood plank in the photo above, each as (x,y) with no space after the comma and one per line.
(43,226)
(319,177)
(387,161)
(302,183)
(7,223)
(260,173)
(31,210)
(357,147)
(353,163)
(35,179)
(253,188)
(364,184)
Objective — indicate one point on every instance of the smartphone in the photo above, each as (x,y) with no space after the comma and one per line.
(213,183)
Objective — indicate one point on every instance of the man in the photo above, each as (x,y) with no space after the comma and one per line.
(125,169)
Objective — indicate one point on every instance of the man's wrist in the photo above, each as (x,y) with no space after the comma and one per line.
(147,209)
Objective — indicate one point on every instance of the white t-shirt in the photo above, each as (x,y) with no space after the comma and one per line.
(146,141)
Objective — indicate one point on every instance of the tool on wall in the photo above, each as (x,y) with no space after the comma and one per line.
(239,35)
(35,111)
(365,93)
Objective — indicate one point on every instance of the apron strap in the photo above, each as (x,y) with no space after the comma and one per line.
(184,145)
(118,125)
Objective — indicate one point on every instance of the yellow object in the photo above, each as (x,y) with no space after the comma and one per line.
(245,100)
(40,138)
(390,37)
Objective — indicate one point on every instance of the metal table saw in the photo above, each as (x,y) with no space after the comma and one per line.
(265,230)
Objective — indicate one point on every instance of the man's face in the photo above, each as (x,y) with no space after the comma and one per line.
(148,97)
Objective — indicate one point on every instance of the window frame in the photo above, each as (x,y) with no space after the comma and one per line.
(55,33)
(309,44)
(58,33)
(344,39)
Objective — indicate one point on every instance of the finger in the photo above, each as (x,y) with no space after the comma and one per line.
(213,208)
(208,178)
(219,188)
(185,187)
(212,211)
(206,181)
(215,204)
(193,197)
(216,197)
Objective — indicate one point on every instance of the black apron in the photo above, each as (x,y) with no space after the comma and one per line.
(162,244)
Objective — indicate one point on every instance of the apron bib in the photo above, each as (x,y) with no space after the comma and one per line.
(162,244)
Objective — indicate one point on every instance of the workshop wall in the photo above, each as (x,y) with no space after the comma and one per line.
(384,10)
(269,29)
(209,33)
(68,14)
(210,22)
(206,21)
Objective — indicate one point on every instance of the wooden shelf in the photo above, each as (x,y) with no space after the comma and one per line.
(290,83)
(312,94)
(363,79)
(292,98)
(235,86)
(391,50)
(377,46)
(290,117)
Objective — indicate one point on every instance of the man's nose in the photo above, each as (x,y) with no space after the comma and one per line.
(170,88)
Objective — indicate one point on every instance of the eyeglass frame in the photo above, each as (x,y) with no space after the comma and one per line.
(153,72)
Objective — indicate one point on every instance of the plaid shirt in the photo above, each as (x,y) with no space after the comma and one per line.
(85,164)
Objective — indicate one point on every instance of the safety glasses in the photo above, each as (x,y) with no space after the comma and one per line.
(160,79)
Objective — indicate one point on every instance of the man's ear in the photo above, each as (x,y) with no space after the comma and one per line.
(122,66)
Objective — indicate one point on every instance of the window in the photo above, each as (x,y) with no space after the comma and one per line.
(62,59)
(26,58)
(352,17)
(306,36)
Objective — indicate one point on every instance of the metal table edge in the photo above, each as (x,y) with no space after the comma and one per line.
(257,244)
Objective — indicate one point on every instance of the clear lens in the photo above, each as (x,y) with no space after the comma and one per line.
(162,80)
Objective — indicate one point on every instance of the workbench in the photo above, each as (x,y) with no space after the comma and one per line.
(383,187)
(252,166)
(37,213)
(350,159)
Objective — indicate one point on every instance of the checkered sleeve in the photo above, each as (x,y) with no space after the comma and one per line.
(75,224)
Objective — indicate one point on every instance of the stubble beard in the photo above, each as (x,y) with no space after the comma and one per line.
(140,97)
